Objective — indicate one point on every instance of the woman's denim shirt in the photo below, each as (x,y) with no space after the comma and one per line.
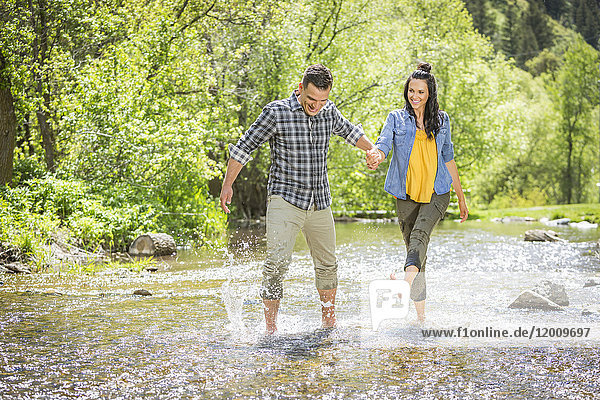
(398,134)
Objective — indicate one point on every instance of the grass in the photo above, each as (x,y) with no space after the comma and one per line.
(575,212)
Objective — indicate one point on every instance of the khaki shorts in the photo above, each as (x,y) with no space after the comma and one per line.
(417,221)
(284,222)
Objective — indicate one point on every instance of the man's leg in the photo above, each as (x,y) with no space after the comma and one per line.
(284,221)
(319,231)
(327,298)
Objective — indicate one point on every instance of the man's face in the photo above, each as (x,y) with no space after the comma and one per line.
(312,99)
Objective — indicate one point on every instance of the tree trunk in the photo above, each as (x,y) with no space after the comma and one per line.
(40,54)
(8,125)
(568,178)
(46,132)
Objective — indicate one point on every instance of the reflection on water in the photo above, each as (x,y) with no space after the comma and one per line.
(200,334)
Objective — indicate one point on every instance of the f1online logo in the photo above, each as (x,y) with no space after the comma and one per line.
(389,299)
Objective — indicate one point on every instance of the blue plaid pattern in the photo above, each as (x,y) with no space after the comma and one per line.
(299,146)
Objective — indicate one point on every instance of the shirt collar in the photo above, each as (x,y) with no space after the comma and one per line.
(405,114)
(295,104)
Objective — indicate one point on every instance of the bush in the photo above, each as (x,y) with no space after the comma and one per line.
(33,213)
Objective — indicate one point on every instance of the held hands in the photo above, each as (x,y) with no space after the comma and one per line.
(374,157)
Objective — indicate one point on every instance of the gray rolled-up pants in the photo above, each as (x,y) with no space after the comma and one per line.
(417,221)
(284,222)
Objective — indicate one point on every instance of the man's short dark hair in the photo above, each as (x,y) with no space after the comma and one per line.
(319,75)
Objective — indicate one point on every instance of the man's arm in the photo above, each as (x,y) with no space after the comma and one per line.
(364,143)
(259,132)
(373,155)
(233,170)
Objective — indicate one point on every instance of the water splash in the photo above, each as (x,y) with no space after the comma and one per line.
(233,296)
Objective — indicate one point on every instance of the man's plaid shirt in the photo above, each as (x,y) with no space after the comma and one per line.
(299,146)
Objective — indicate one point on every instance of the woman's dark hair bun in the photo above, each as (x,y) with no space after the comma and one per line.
(423,66)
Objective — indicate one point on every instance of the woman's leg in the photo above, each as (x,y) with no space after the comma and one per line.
(417,242)
(408,211)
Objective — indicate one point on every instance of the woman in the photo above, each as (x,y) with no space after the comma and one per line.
(421,172)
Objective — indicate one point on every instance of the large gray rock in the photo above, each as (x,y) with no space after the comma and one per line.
(553,291)
(540,235)
(591,282)
(532,300)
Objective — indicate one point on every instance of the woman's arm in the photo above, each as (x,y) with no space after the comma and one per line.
(383,145)
(462,203)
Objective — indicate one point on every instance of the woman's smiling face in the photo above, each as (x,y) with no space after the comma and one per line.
(418,93)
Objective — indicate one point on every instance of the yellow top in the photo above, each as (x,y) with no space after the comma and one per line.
(422,168)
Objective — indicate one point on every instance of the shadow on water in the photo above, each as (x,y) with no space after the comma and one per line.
(300,345)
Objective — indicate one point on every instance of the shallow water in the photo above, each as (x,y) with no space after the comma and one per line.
(200,334)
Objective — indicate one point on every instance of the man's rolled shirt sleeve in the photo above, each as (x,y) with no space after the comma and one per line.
(347,130)
(259,132)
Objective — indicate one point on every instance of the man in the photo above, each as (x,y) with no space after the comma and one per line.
(298,130)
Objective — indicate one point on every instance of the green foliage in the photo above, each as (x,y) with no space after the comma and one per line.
(576,100)
(143,98)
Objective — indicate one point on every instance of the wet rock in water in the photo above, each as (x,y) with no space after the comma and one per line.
(553,291)
(591,282)
(17,268)
(51,292)
(583,225)
(593,309)
(559,221)
(509,219)
(153,244)
(540,235)
(142,292)
(532,300)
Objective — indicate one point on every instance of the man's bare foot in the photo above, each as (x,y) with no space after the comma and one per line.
(271,308)
(328,321)
(327,298)
(270,330)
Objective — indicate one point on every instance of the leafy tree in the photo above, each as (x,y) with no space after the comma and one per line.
(587,20)
(8,124)
(575,95)
(483,19)
(537,20)
(557,8)
(510,30)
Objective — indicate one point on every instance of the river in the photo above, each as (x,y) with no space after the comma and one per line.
(200,334)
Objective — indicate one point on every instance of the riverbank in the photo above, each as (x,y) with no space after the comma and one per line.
(575,212)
